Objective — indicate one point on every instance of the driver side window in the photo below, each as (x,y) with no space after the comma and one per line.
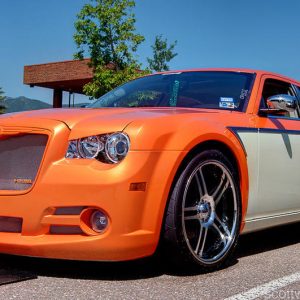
(274,87)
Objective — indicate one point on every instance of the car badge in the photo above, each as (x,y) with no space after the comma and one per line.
(23,181)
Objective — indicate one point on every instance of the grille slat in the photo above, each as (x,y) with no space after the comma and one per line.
(20,158)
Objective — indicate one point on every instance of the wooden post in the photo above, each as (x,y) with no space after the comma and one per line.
(57,98)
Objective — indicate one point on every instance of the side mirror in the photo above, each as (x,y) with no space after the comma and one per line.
(283,102)
(279,104)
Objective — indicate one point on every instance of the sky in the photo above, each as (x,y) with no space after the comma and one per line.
(257,34)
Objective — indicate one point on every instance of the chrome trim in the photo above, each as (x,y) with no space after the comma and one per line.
(272,221)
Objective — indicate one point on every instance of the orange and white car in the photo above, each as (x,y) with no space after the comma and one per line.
(189,159)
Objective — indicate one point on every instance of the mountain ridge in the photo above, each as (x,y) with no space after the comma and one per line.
(22,103)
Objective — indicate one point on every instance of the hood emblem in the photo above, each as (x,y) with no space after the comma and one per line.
(23,181)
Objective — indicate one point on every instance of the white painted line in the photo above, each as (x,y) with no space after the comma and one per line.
(267,288)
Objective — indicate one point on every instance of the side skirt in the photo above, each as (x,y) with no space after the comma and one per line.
(268,222)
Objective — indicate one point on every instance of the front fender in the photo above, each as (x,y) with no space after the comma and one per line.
(184,137)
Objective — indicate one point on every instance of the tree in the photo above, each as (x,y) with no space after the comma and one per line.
(2,98)
(162,54)
(105,30)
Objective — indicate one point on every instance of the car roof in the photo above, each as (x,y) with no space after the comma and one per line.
(240,70)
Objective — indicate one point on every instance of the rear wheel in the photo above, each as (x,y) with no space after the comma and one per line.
(204,212)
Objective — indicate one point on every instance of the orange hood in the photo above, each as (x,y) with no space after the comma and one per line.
(87,121)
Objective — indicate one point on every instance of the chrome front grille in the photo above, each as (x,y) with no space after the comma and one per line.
(20,158)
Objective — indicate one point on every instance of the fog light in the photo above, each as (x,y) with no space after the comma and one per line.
(99,221)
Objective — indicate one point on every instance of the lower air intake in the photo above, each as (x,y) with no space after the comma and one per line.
(10,224)
(55,229)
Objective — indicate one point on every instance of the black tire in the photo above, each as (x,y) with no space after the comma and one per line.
(197,226)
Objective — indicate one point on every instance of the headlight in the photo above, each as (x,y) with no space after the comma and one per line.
(90,147)
(116,147)
(109,148)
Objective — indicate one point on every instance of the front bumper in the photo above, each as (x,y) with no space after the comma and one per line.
(135,217)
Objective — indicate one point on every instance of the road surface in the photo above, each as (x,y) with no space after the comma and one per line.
(267,266)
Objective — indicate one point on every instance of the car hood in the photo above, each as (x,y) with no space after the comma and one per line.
(86,121)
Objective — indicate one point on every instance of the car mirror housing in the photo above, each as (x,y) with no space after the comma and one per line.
(279,104)
(282,101)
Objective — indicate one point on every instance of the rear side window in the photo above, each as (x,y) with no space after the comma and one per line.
(274,87)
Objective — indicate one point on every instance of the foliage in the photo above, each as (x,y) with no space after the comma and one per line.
(162,54)
(106,79)
(2,97)
(105,30)
(2,104)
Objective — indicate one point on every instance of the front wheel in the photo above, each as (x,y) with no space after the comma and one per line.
(204,212)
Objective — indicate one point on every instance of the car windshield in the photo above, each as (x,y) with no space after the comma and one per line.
(203,89)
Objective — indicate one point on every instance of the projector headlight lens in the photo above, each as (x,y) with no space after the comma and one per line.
(117,147)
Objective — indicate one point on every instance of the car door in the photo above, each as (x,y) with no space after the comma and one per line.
(277,197)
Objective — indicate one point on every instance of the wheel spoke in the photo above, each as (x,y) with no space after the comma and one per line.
(195,217)
(224,227)
(192,208)
(219,231)
(221,192)
(201,241)
(219,186)
(201,183)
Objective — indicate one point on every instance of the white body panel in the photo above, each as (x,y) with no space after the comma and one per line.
(273,159)
(279,174)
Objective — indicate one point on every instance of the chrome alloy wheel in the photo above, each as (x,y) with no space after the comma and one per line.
(209,211)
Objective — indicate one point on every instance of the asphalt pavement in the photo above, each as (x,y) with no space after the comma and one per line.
(267,266)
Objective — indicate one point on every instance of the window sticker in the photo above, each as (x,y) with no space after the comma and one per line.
(244,94)
(173,100)
(226,102)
